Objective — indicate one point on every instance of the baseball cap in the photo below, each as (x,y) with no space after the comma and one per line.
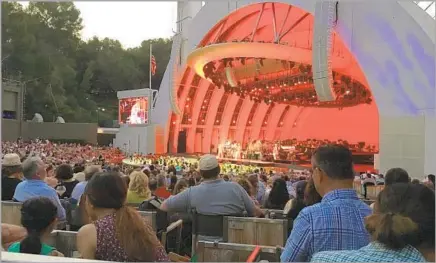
(208,162)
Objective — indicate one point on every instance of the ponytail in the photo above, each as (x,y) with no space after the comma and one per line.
(130,226)
(393,230)
(31,244)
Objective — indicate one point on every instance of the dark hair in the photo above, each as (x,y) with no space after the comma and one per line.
(415,181)
(396,175)
(279,195)
(173,182)
(336,161)
(152,184)
(404,214)
(311,196)
(36,216)
(108,190)
(64,172)
(78,168)
(209,174)
(300,188)
(226,178)
(431,177)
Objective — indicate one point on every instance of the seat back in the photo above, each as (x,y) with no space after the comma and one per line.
(207,225)
(150,217)
(11,213)
(231,252)
(64,242)
(256,231)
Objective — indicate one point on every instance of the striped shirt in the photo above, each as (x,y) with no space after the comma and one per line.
(336,223)
(374,252)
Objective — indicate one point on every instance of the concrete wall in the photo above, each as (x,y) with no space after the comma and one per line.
(49,130)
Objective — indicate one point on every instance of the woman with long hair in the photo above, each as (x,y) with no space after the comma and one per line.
(138,188)
(402,228)
(279,195)
(118,232)
(38,217)
(306,195)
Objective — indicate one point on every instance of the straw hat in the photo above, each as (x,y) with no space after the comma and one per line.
(11,159)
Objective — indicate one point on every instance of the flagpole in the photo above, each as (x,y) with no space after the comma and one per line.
(149,76)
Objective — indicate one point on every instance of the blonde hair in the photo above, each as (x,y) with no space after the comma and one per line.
(139,184)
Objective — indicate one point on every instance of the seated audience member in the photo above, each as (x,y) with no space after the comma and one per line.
(180,186)
(34,185)
(152,185)
(279,195)
(65,175)
(162,191)
(50,178)
(259,187)
(173,182)
(244,183)
(295,205)
(306,196)
(80,187)
(213,196)
(12,234)
(337,222)
(396,175)
(380,179)
(430,181)
(11,175)
(138,188)
(415,181)
(118,233)
(402,228)
(38,217)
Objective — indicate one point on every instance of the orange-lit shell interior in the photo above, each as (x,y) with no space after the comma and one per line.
(211,115)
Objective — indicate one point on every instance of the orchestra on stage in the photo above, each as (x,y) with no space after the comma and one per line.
(291,150)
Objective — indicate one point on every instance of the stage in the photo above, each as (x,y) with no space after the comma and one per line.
(278,165)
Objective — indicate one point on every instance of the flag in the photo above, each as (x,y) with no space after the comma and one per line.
(153,65)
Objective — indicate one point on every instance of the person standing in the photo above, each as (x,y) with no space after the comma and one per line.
(337,222)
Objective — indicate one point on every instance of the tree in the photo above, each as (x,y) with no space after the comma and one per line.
(65,75)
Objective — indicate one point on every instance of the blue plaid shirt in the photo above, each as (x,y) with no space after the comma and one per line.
(374,252)
(336,223)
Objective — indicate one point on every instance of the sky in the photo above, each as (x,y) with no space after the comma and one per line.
(128,22)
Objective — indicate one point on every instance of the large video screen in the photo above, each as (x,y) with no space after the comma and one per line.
(133,111)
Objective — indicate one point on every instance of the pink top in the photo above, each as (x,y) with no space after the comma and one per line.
(109,247)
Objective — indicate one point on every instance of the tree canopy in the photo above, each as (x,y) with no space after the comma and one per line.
(64,75)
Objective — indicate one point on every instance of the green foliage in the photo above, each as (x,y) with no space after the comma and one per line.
(64,75)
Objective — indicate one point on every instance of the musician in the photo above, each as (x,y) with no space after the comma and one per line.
(276,151)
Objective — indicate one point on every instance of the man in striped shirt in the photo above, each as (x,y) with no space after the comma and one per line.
(337,222)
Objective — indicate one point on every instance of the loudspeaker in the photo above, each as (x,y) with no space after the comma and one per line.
(325,16)
(181,144)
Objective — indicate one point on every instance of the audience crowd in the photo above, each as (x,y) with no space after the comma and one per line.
(331,221)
